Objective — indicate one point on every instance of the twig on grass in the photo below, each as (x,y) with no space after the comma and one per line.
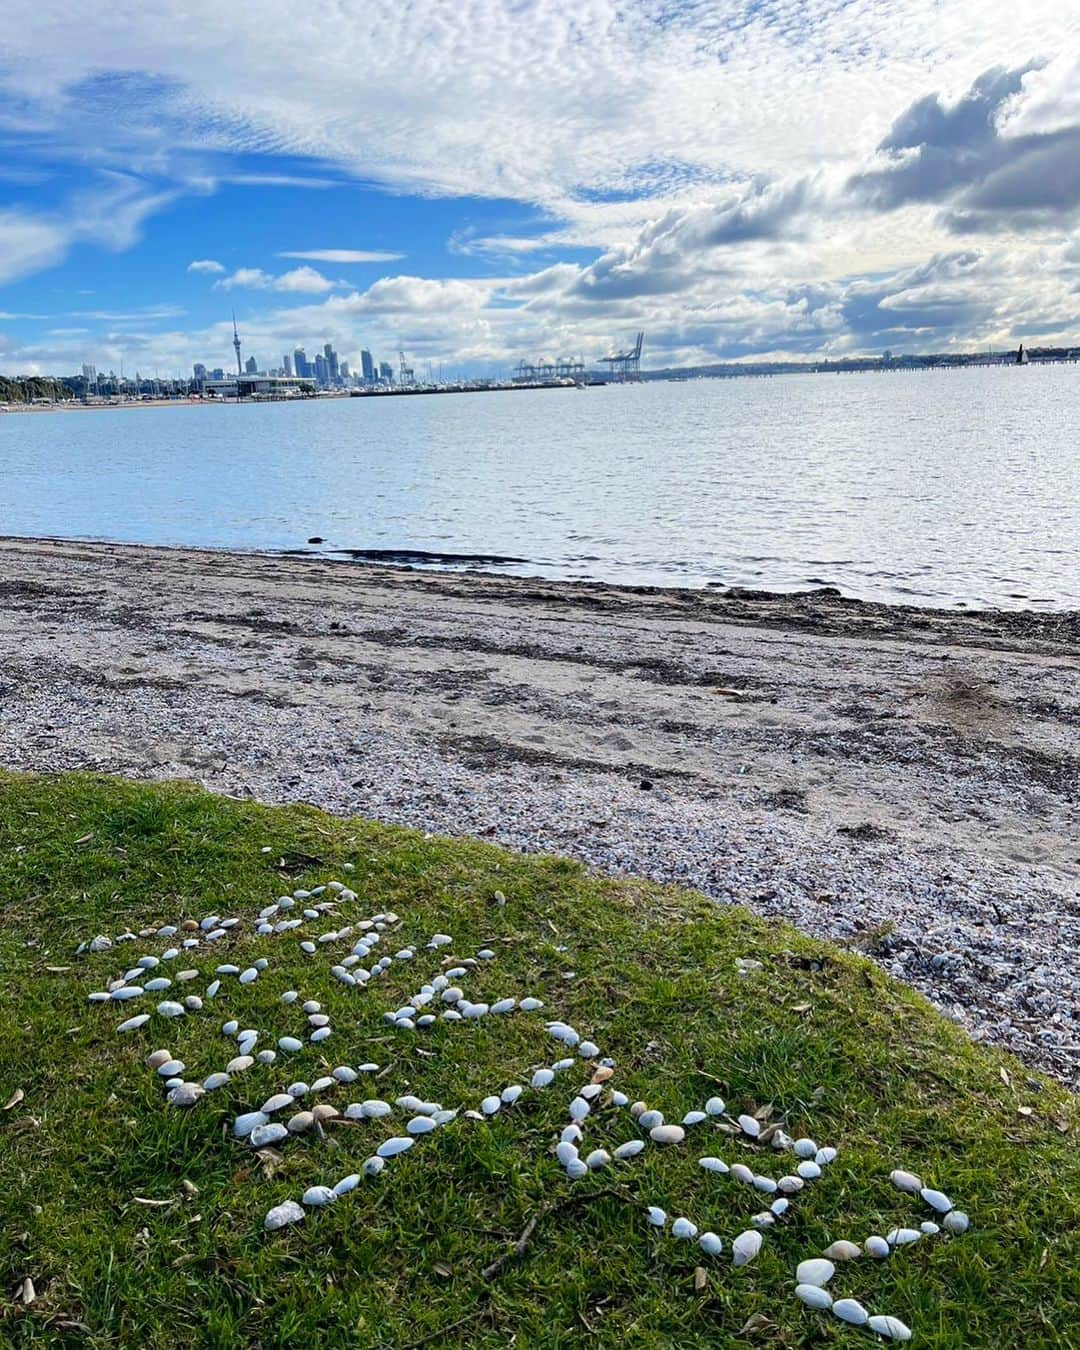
(545,1211)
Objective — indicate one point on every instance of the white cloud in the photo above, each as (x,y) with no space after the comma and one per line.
(207,265)
(301,280)
(342,255)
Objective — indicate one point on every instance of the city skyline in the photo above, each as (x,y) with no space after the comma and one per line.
(915,187)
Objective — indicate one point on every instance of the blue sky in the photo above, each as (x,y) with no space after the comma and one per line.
(488,179)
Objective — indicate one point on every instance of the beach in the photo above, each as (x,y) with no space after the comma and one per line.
(903,781)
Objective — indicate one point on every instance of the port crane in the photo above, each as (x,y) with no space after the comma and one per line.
(626,366)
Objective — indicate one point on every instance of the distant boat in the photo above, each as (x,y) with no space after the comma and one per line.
(1021,356)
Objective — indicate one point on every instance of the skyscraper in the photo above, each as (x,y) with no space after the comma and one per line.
(386,372)
(286,364)
(367,367)
(251,365)
(331,364)
(322,371)
(300,362)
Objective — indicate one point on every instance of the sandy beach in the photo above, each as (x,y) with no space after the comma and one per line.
(903,781)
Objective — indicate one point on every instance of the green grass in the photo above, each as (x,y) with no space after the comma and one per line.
(867,1065)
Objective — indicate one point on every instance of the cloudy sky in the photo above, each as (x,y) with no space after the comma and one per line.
(478,180)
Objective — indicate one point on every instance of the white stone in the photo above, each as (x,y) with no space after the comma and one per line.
(851,1310)
(491,1105)
(741,1172)
(157,985)
(765,1185)
(657,1217)
(215,1081)
(134,1023)
(884,1325)
(956,1222)
(746,1246)
(877,1247)
(374,1109)
(347,1184)
(185,1094)
(683,1228)
(630,1149)
(710,1244)
(373,1166)
(694,1117)
(576,1169)
(344,1073)
(808,1170)
(542,1077)
(276,1103)
(813,1295)
(599,1157)
(504,1005)
(750,1126)
(937,1200)
(579,1108)
(320,1035)
(282,1215)
(420,1125)
(902,1237)
(126,992)
(319,1195)
(239,1064)
(290,1043)
(667,1134)
(790,1185)
(172,1068)
(272,1133)
(804,1148)
(711,1164)
(715,1106)
(648,1119)
(512,1093)
(906,1181)
(815,1271)
(230,1028)
(530,1005)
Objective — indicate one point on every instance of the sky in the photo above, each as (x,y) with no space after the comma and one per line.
(478,181)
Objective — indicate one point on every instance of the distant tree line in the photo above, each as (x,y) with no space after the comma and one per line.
(36,386)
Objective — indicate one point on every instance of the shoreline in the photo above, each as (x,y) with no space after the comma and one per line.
(898,779)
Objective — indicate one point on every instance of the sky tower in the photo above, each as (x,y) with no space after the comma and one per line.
(236,345)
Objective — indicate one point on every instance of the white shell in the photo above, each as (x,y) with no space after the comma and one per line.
(741,1172)
(373,1166)
(804,1148)
(344,1073)
(134,1023)
(239,1064)
(566,1151)
(630,1149)
(420,1125)
(876,1246)
(215,1080)
(956,1222)
(713,1164)
(491,1105)
(710,1244)
(276,1103)
(157,1058)
(243,1125)
(843,1251)
(390,1148)
(851,1310)
(579,1108)
(790,1185)
(303,1120)
(511,1094)
(889,1326)
(929,1228)
(171,1068)
(683,1228)
(815,1271)
(290,1043)
(320,1035)
(169,1009)
(185,1094)
(813,1295)
(808,1170)
(936,1200)
(657,1217)
(906,1181)
(667,1134)
(599,1157)
(694,1117)
(576,1169)
(902,1237)
(715,1106)
(318,1195)
(749,1125)
(157,985)
(765,1185)
(530,1004)
(347,1184)
(648,1119)
(230,1028)
(271,1133)
(542,1077)
(824,1156)
(504,1005)
(746,1246)
(281,1215)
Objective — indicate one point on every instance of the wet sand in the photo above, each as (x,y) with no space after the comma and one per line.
(902,780)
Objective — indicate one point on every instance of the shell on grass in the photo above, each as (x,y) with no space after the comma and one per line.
(906,1181)
(842,1250)
(876,1246)
(281,1215)
(667,1134)
(891,1327)
(243,1125)
(710,1244)
(683,1228)
(318,1195)
(813,1296)
(851,1310)
(396,1144)
(630,1149)
(815,1271)
(271,1133)
(711,1164)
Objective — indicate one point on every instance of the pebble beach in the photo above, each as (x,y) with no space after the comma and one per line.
(902,781)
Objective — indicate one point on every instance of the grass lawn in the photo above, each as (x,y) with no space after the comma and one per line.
(842,1053)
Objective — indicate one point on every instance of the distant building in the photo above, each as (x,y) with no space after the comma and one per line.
(344,368)
(89,373)
(322,371)
(367,367)
(331,364)
(251,366)
(200,373)
(286,364)
(300,364)
(386,372)
(217,373)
